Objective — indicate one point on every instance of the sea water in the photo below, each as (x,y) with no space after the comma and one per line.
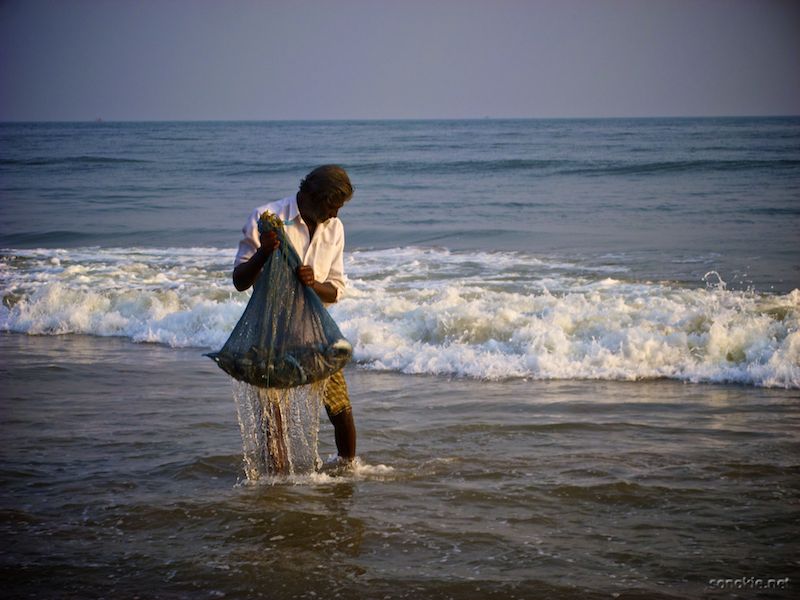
(575,375)
(613,249)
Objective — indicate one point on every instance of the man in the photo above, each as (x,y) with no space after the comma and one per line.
(311,225)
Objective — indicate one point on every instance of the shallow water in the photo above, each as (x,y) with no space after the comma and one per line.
(122,475)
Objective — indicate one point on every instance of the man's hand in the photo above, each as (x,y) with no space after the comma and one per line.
(305,274)
(326,290)
(269,242)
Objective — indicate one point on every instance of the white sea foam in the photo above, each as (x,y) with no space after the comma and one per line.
(178,297)
(358,470)
(414,310)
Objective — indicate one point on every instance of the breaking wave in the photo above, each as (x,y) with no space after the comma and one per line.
(491,315)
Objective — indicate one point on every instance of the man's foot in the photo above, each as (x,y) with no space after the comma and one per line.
(336,465)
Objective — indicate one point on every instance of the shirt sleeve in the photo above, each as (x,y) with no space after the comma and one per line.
(250,241)
(336,276)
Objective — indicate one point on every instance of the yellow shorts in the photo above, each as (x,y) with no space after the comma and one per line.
(336,399)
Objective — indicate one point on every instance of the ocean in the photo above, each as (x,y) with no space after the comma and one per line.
(576,361)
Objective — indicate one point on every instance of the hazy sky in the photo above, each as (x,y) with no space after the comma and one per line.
(163,59)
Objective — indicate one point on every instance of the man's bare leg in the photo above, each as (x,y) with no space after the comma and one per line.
(276,441)
(344,430)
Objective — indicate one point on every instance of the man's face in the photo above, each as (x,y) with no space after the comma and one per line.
(326,209)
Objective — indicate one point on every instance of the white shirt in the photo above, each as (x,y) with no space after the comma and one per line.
(324,253)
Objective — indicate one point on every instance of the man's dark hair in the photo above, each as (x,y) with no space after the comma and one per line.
(327,183)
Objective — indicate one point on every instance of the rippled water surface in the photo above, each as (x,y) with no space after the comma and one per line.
(576,374)
(122,476)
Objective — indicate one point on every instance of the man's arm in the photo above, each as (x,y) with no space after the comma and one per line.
(330,289)
(246,273)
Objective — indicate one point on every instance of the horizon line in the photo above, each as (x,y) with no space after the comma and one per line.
(100,120)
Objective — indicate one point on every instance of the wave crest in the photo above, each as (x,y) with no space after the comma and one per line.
(430,311)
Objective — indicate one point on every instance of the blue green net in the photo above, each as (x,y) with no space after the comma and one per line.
(285,337)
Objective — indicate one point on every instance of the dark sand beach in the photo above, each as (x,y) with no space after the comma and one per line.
(122,477)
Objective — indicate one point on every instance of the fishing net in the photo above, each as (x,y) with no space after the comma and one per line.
(285,337)
(282,352)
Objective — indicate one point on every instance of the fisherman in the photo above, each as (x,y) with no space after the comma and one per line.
(311,224)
